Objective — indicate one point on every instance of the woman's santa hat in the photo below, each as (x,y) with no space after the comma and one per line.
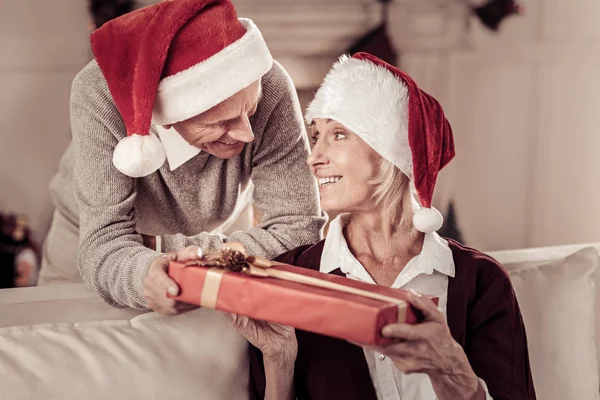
(405,125)
(170,62)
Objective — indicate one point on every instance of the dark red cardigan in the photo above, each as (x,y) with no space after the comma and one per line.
(483,316)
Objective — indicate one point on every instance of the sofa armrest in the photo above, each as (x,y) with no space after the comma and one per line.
(61,303)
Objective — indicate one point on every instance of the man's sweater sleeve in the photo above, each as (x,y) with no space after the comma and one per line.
(112,259)
(285,191)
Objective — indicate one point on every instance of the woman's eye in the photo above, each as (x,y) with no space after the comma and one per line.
(340,135)
(314,139)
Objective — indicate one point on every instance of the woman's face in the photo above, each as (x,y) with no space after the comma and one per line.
(343,165)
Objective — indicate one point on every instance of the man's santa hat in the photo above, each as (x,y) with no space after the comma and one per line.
(170,62)
(405,125)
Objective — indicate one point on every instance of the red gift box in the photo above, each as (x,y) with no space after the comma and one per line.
(319,303)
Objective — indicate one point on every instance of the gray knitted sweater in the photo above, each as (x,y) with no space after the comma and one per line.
(184,205)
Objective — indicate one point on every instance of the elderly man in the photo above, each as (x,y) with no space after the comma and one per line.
(187,82)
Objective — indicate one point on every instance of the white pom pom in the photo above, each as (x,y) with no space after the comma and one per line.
(138,155)
(427,220)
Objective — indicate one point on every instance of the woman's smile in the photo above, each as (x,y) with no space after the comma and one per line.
(328,181)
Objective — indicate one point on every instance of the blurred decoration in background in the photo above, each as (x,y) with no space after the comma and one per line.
(377,41)
(492,12)
(103,11)
(19,252)
(450,227)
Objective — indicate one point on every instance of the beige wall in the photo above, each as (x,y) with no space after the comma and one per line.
(525,107)
(42,45)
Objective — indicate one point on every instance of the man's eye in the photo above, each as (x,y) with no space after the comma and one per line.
(340,135)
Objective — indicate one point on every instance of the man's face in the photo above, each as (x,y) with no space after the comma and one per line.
(224,129)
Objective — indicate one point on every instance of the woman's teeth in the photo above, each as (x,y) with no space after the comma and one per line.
(228,144)
(328,180)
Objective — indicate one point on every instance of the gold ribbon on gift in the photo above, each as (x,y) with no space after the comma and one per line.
(210,290)
(261,268)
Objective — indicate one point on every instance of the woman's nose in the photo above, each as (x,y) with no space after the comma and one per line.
(241,130)
(317,156)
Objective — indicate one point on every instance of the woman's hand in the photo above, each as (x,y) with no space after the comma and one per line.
(429,348)
(279,347)
(275,341)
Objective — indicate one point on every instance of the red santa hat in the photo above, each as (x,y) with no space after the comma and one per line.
(172,61)
(405,125)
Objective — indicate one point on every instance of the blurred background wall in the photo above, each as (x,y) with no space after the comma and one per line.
(523,101)
(42,46)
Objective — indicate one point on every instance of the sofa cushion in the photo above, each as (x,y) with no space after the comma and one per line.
(197,355)
(557,301)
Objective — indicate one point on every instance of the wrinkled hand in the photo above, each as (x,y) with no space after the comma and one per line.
(157,284)
(275,341)
(429,348)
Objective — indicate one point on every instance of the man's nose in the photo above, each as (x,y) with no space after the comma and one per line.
(241,130)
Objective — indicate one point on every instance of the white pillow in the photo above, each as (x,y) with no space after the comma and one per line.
(557,301)
(197,355)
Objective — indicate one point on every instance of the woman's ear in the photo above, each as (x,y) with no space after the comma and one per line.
(167,126)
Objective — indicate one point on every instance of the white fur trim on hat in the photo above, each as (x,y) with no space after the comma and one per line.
(138,155)
(370,101)
(206,84)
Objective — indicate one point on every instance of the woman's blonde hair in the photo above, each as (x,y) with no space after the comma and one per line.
(392,190)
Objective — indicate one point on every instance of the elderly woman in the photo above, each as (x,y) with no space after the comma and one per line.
(379,143)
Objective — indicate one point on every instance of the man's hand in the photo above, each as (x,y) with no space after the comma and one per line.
(157,284)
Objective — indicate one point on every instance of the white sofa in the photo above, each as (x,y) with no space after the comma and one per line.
(62,342)
(555,287)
